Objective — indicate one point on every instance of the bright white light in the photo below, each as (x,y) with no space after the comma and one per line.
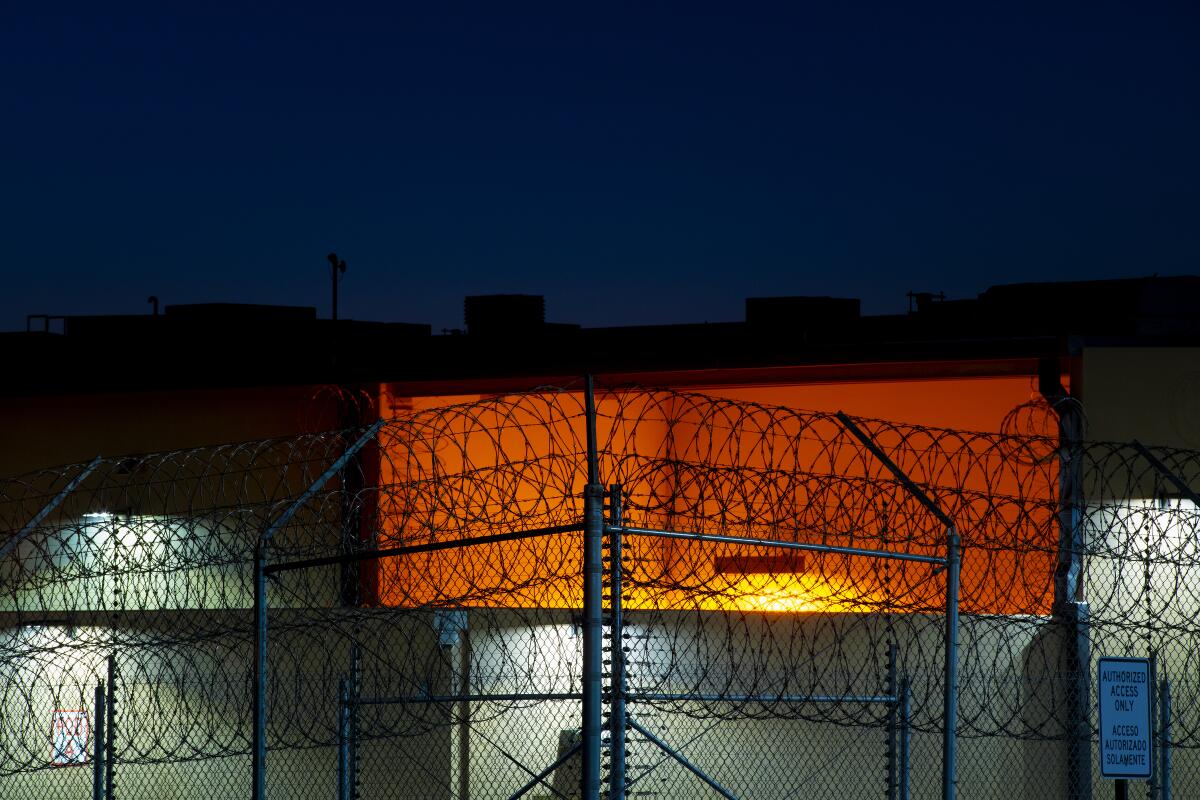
(102,516)
(1175,504)
(66,655)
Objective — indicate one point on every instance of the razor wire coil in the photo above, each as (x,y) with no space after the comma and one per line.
(151,558)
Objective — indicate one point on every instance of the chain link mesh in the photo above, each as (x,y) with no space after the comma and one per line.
(451,667)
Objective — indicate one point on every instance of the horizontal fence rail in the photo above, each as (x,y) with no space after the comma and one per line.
(423,590)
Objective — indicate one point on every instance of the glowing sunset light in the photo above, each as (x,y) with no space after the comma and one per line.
(672,457)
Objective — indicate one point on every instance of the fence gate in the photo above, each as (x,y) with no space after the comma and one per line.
(611,656)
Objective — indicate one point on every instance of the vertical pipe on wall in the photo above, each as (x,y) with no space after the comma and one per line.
(617,688)
(1070,610)
(454,639)
(593,540)
(358,408)
(950,698)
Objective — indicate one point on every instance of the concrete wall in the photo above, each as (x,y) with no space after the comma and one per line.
(1147,393)
(184,704)
(68,429)
(183,709)
(774,750)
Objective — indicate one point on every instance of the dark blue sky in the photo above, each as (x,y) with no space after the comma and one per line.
(641,163)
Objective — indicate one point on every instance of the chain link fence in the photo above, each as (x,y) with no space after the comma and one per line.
(715,598)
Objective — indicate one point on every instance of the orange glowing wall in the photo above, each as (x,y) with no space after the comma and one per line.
(526,470)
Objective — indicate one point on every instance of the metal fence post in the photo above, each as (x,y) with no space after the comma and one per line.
(1078,617)
(110,729)
(593,541)
(29,527)
(953,566)
(1070,609)
(258,790)
(352,727)
(905,734)
(258,764)
(950,700)
(343,739)
(1164,749)
(1152,783)
(98,745)
(617,686)
(892,730)
(463,724)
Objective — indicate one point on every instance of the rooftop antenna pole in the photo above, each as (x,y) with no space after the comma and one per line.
(337,267)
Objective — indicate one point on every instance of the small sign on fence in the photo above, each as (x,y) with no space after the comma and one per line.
(1126,731)
(69,732)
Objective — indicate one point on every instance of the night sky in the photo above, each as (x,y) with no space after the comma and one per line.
(635,164)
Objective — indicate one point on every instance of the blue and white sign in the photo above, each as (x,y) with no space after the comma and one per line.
(1125,694)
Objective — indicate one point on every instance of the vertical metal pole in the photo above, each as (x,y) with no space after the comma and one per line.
(1155,744)
(464,711)
(355,694)
(1077,619)
(905,734)
(617,688)
(258,789)
(98,745)
(950,699)
(593,536)
(1164,748)
(893,708)
(110,729)
(593,448)
(1121,789)
(258,746)
(336,266)
(343,739)
(1070,607)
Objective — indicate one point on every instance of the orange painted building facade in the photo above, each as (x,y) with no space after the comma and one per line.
(652,456)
